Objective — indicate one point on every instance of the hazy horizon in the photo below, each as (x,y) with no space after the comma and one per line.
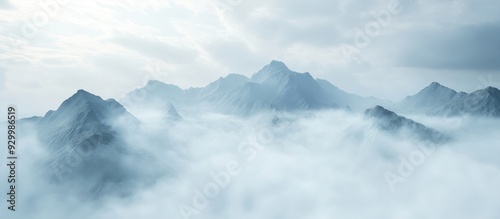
(150,77)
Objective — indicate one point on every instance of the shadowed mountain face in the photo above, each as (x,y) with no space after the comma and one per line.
(277,87)
(390,122)
(485,102)
(273,87)
(442,101)
(81,116)
(84,138)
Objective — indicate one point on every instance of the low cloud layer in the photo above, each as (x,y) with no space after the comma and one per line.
(315,165)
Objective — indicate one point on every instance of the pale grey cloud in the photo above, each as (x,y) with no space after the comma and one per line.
(235,55)
(5,4)
(196,44)
(157,49)
(467,47)
(2,78)
(306,168)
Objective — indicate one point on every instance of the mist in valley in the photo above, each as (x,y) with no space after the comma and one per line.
(309,164)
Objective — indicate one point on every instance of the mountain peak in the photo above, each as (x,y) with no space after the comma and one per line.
(394,123)
(83,92)
(275,69)
(489,90)
(379,111)
(226,84)
(434,90)
(83,102)
(83,96)
(234,77)
(436,86)
(280,64)
(162,87)
(154,83)
(379,108)
(86,111)
(171,112)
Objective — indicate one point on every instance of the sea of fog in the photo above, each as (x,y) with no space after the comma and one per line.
(318,165)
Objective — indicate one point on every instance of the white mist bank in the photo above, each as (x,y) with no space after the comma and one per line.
(328,164)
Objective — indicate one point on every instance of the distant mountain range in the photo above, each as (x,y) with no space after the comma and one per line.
(276,87)
(84,116)
(273,87)
(86,138)
(437,99)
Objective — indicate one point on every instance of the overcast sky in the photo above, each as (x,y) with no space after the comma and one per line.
(109,48)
